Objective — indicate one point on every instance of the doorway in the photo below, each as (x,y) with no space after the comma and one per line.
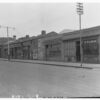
(46,52)
(78,56)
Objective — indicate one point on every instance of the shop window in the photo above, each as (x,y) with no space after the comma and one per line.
(90,47)
(54,50)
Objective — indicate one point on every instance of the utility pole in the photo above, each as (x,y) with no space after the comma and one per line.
(7,29)
(80,12)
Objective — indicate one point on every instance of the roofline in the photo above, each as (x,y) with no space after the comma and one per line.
(82,30)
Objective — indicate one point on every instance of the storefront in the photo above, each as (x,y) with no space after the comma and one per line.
(26,49)
(90,46)
(16,50)
(90,50)
(53,49)
(69,51)
(34,49)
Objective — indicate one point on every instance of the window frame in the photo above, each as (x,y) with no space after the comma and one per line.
(90,47)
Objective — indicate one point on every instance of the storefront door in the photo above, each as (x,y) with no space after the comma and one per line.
(78,51)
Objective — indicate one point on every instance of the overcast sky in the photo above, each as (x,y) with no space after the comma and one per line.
(31,18)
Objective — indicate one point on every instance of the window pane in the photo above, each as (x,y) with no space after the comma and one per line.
(90,47)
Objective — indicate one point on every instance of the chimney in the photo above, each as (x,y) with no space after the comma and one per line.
(43,32)
(14,37)
(27,36)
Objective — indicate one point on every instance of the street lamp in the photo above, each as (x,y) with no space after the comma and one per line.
(80,12)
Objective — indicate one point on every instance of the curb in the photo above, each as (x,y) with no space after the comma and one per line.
(47,64)
(53,64)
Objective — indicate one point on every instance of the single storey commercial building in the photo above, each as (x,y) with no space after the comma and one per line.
(57,47)
(67,47)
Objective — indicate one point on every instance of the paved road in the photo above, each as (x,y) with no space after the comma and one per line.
(31,80)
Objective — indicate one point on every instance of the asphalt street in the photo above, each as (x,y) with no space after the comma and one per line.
(35,80)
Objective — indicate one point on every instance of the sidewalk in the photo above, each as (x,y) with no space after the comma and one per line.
(64,64)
